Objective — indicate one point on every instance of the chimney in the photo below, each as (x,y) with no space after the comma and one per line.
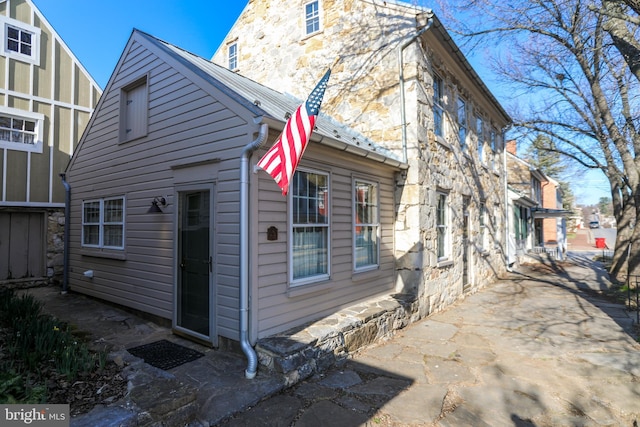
(512,147)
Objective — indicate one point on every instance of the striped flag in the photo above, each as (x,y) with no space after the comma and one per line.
(283,157)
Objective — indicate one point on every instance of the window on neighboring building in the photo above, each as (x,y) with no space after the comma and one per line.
(366,224)
(312,17)
(17,130)
(482,237)
(233,56)
(21,130)
(462,123)
(443,227)
(103,223)
(21,41)
(480,134)
(520,222)
(438,106)
(134,108)
(309,227)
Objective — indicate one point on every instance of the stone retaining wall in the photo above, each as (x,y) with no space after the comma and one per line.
(300,353)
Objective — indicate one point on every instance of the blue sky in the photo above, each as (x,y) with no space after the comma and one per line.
(97,31)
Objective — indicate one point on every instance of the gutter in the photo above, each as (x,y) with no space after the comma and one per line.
(403,111)
(67,223)
(252,357)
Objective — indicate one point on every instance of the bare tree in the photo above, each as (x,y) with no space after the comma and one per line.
(578,65)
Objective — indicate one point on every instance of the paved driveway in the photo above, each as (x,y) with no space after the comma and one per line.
(541,348)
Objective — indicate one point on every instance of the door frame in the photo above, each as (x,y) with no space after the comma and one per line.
(212,339)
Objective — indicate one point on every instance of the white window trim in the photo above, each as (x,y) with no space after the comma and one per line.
(101,224)
(295,283)
(34,58)
(37,147)
(482,225)
(480,149)
(233,58)
(439,104)
(357,269)
(304,18)
(447,226)
(493,144)
(465,126)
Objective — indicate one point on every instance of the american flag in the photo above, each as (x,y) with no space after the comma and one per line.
(283,157)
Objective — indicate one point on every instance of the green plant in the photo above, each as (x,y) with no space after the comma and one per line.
(14,389)
(35,340)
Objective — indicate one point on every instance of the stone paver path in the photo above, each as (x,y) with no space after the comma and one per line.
(539,349)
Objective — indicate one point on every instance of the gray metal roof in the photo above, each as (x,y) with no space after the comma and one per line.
(264,101)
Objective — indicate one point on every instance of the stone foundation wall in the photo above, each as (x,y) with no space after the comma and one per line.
(298,354)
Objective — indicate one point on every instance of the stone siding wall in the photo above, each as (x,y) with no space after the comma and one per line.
(364,93)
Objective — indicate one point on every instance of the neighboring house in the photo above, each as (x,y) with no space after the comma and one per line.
(524,196)
(46,99)
(552,218)
(157,209)
(535,202)
(551,200)
(401,81)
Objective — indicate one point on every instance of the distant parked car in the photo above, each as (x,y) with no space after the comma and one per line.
(594,224)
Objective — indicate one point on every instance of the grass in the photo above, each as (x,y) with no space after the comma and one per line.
(32,345)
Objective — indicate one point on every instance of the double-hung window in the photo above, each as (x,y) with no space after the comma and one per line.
(309,243)
(482,237)
(312,17)
(462,123)
(20,40)
(233,56)
(438,106)
(103,223)
(480,135)
(443,227)
(366,224)
(493,144)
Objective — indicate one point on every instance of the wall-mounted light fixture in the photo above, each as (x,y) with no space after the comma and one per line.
(155,205)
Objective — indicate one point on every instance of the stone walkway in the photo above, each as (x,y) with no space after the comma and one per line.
(541,348)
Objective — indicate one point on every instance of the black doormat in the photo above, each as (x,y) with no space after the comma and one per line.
(164,354)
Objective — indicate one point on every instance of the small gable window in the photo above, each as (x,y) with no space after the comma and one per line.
(134,105)
(312,17)
(233,56)
(20,40)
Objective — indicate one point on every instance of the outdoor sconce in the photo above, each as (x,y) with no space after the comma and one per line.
(155,208)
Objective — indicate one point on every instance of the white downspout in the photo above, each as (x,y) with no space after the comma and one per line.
(252,357)
(506,203)
(403,112)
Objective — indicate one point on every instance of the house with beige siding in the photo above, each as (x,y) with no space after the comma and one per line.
(401,81)
(46,99)
(534,202)
(169,216)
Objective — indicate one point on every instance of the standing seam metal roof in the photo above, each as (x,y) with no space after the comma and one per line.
(264,101)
